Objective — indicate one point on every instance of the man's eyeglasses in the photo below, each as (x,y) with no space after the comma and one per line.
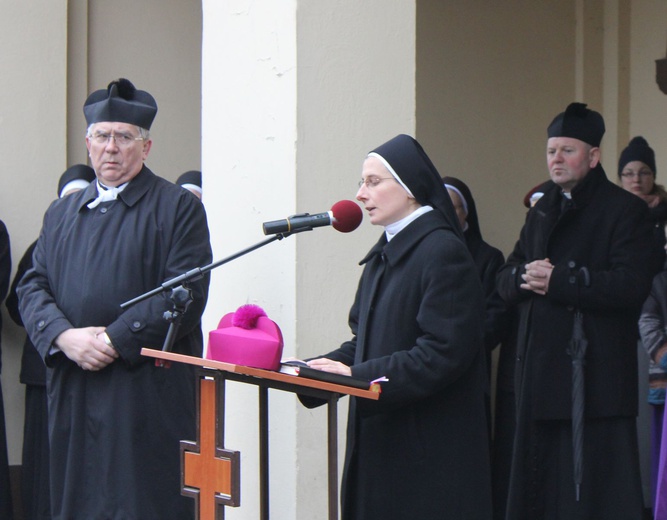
(641,174)
(121,140)
(372,182)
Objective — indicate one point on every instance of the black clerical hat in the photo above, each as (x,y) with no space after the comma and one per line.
(121,102)
(578,122)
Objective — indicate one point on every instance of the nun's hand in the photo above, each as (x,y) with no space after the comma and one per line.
(327,365)
(537,276)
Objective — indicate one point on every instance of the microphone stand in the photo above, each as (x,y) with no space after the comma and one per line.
(181,294)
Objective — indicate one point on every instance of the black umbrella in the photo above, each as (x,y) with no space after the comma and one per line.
(578,345)
(577,351)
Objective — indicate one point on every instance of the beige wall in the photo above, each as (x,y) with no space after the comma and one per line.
(490,77)
(32,148)
(648,105)
(159,50)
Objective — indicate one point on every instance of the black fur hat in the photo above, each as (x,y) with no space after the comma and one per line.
(637,150)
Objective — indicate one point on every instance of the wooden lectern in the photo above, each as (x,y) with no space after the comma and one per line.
(209,472)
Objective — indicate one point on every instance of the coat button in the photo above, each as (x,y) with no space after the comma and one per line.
(103,210)
(41,324)
(136,324)
(572,264)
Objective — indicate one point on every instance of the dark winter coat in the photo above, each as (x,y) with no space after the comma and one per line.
(5,272)
(5,269)
(33,370)
(607,231)
(115,432)
(488,259)
(422,450)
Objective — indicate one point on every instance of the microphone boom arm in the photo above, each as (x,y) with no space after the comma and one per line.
(198,272)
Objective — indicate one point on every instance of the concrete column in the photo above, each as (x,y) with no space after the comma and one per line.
(294,96)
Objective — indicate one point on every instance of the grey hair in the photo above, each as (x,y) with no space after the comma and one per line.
(143,133)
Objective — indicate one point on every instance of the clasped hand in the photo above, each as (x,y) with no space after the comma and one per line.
(86,347)
(537,276)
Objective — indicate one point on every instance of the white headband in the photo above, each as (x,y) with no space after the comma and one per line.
(458,192)
(76,184)
(393,173)
(194,187)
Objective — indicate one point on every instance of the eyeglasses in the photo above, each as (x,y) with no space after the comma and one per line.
(121,140)
(641,174)
(372,182)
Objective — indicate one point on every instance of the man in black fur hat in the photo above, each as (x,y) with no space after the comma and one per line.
(115,419)
(578,275)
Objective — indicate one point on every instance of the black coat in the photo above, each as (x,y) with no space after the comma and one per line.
(607,231)
(5,272)
(5,269)
(600,243)
(33,370)
(115,432)
(422,450)
(35,489)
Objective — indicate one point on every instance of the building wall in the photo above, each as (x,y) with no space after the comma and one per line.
(648,104)
(33,88)
(490,77)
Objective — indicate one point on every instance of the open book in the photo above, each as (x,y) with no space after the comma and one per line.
(299,368)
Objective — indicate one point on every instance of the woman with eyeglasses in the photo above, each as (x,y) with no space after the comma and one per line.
(422,450)
(636,172)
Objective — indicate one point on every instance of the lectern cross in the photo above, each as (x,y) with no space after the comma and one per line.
(210,474)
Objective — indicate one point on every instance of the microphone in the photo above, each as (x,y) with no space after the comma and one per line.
(344,216)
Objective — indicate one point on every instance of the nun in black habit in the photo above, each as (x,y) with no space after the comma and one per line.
(488,260)
(422,450)
(497,333)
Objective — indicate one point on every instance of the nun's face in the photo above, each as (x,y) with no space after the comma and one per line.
(385,200)
(459,207)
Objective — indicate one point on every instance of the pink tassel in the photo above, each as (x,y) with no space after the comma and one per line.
(246,316)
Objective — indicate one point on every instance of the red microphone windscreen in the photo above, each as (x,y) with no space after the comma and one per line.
(347,216)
